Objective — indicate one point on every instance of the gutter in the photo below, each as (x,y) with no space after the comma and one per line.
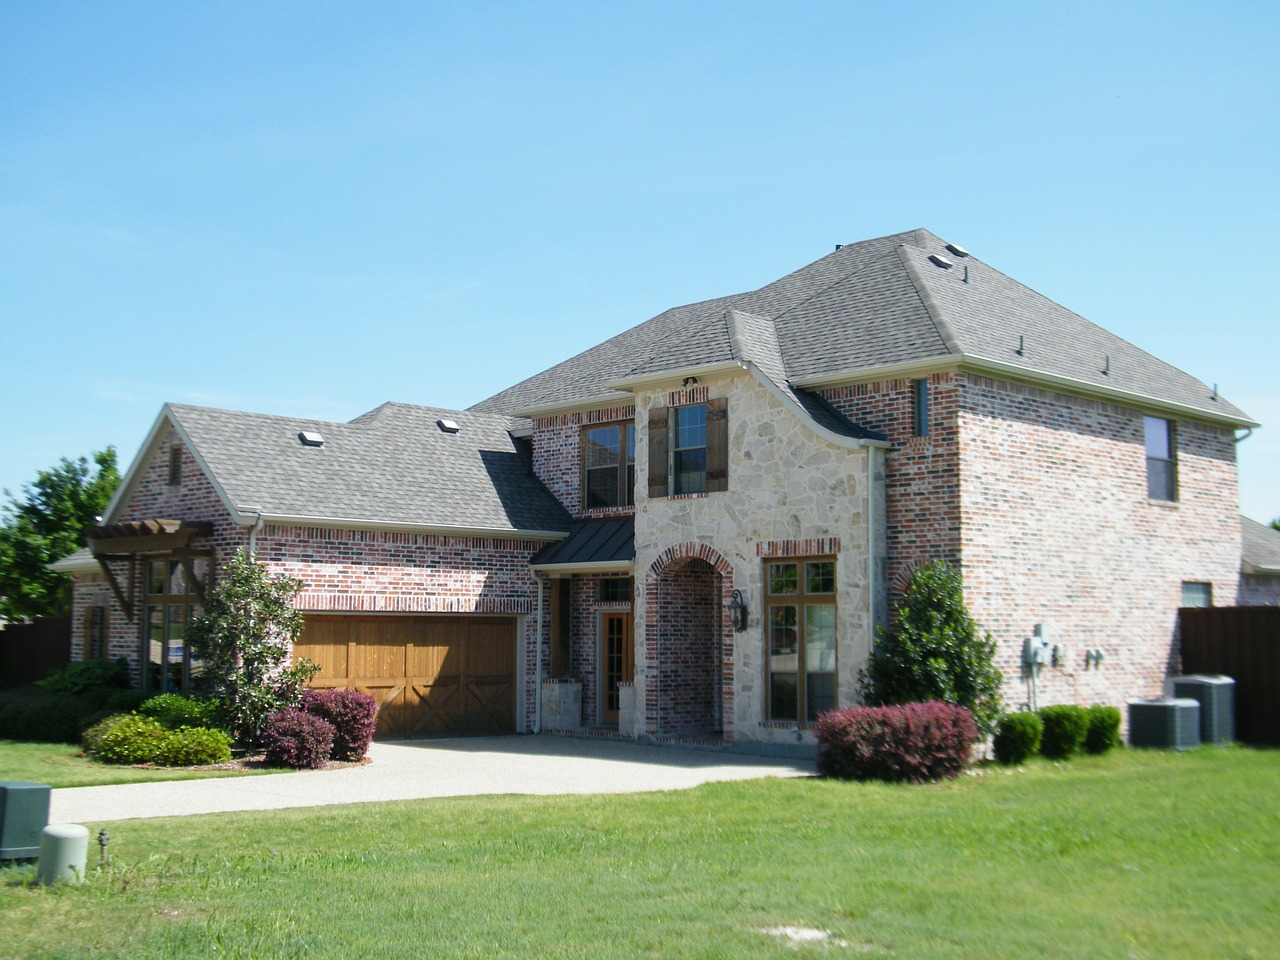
(249,516)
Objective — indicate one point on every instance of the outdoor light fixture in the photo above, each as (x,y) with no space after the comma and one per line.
(738,611)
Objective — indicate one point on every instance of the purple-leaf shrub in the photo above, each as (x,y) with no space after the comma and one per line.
(354,716)
(295,739)
(913,742)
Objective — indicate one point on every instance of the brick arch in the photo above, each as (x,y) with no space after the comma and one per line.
(688,643)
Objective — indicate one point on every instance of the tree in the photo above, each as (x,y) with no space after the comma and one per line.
(46,525)
(1275,524)
(244,639)
(934,651)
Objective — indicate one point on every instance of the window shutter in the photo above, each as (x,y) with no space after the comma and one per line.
(658,451)
(718,444)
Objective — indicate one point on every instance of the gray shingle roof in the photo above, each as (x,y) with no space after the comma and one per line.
(393,465)
(1260,547)
(869,305)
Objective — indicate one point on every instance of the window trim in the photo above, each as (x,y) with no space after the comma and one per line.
(626,465)
(1168,482)
(661,443)
(191,603)
(801,599)
(675,450)
(920,408)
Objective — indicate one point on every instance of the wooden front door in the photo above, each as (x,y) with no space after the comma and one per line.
(618,661)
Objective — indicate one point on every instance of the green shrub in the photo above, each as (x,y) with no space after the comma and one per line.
(88,676)
(1065,727)
(1017,737)
(1104,728)
(125,738)
(173,710)
(194,747)
(934,651)
(38,715)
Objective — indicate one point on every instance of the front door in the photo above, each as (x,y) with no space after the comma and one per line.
(617,651)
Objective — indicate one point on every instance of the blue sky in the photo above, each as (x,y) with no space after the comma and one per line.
(309,209)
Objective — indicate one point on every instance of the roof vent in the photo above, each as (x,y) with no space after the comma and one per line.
(958,251)
(310,438)
(448,426)
(942,262)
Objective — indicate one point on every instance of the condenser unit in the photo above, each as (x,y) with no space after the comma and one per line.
(1169,723)
(1216,695)
(24,813)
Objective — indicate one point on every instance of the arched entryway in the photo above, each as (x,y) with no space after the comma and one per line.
(689,644)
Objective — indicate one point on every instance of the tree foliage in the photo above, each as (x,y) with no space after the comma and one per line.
(934,651)
(47,524)
(244,639)
(1275,524)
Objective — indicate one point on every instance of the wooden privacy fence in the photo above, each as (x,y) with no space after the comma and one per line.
(28,651)
(1242,643)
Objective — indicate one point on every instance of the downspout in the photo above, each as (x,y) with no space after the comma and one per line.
(872,599)
(538,641)
(254,529)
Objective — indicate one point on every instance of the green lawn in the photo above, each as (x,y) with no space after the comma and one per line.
(1140,854)
(60,765)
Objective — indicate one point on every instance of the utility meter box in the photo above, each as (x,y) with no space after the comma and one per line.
(1035,651)
(24,813)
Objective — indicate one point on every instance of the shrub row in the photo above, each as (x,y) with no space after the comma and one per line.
(912,743)
(31,713)
(134,738)
(330,725)
(1057,732)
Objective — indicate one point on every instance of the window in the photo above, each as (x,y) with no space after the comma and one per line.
(1195,594)
(175,465)
(609,466)
(1162,472)
(95,633)
(614,590)
(919,408)
(688,449)
(801,615)
(171,602)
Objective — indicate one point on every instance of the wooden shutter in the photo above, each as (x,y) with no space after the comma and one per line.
(718,444)
(561,622)
(658,451)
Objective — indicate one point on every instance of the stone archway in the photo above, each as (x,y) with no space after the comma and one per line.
(689,644)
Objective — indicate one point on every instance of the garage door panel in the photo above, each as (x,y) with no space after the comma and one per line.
(432,676)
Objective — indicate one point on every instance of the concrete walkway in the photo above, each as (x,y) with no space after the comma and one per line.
(430,768)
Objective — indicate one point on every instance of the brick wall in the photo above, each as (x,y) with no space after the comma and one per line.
(557,455)
(684,687)
(584,646)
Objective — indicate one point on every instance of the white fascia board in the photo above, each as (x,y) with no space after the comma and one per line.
(604,566)
(1259,569)
(571,406)
(631,384)
(351,523)
(1010,371)
(75,563)
(140,459)
(849,443)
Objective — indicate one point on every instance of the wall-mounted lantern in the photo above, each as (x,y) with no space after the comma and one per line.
(737,611)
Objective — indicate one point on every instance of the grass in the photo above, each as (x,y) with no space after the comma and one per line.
(1139,854)
(60,765)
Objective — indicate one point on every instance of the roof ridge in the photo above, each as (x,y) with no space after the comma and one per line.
(934,309)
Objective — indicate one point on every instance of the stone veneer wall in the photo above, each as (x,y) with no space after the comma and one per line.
(786,484)
(153,498)
(1057,528)
(557,455)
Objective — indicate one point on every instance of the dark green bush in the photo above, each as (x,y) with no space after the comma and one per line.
(88,676)
(173,710)
(125,738)
(1104,729)
(296,739)
(194,747)
(34,714)
(1065,727)
(1017,737)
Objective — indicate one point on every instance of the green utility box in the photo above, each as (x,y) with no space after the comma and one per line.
(24,813)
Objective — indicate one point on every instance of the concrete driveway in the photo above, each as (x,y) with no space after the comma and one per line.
(430,768)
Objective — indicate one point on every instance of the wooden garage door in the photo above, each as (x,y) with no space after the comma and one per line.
(433,676)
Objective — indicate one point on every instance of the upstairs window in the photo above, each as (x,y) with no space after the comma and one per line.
(688,449)
(609,466)
(1162,467)
(919,408)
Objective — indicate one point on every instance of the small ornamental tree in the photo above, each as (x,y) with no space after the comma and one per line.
(934,651)
(245,638)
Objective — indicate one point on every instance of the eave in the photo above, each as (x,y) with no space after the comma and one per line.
(251,517)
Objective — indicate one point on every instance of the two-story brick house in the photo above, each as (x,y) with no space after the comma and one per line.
(727,496)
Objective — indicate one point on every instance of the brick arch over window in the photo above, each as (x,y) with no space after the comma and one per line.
(688,635)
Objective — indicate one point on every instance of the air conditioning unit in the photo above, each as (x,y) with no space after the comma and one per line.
(1217,697)
(1169,723)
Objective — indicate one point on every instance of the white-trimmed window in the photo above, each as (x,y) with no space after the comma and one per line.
(1162,464)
